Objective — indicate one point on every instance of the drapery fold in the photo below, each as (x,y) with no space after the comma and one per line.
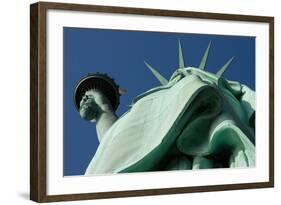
(198,114)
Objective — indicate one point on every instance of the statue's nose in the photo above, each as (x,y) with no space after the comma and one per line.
(84,98)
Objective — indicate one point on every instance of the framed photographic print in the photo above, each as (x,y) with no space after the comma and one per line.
(133,102)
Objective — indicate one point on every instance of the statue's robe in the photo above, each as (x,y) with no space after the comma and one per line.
(196,113)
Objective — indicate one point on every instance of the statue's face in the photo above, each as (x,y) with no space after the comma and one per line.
(93,104)
(89,109)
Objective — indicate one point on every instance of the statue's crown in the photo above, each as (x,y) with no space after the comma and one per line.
(182,66)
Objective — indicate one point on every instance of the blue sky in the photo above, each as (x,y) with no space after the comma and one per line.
(121,54)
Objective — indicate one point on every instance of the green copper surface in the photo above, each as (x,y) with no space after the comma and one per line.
(181,58)
(159,77)
(204,58)
(223,69)
(196,120)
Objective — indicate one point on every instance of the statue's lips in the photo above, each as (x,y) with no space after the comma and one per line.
(84,106)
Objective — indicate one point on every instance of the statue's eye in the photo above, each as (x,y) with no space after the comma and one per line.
(88,97)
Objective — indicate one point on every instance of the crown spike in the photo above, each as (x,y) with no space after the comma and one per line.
(159,77)
(223,69)
(181,58)
(205,57)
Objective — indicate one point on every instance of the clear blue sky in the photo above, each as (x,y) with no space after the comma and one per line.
(121,54)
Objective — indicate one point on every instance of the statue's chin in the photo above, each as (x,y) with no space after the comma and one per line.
(88,114)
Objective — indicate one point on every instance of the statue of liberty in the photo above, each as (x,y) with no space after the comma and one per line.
(194,120)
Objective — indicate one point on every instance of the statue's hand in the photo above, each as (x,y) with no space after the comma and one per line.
(93,104)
